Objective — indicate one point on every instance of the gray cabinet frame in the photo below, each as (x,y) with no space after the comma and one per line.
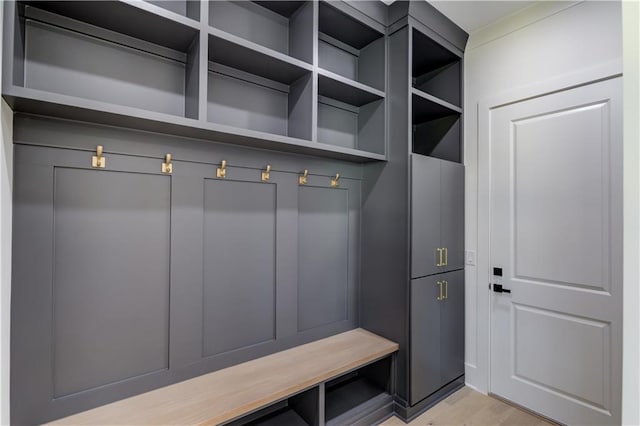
(392,251)
(179,51)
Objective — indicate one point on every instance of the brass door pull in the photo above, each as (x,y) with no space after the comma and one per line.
(446,256)
(446,289)
(439,257)
(439,284)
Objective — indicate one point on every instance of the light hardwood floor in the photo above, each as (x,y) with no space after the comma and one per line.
(468,407)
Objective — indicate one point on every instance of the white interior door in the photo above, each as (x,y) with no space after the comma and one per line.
(556,233)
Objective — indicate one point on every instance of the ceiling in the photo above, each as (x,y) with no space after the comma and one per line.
(472,15)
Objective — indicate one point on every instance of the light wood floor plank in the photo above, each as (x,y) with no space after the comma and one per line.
(470,408)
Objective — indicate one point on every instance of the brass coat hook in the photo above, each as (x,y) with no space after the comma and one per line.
(222,170)
(334,181)
(167,166)
(266,174)
(98,161)
(302,180)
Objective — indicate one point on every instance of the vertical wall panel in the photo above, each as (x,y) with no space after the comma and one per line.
(323,246)
(111,277)
(239,264)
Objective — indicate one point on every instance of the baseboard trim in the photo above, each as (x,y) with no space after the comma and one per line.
(525,409)
(408,413)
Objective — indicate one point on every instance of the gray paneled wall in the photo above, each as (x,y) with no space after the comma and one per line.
(239,295)
(110,284)
(323,244)
(126,279)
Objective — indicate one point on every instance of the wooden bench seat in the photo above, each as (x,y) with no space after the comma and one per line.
(228,394)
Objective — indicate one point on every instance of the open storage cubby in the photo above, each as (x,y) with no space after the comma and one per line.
(249,89)
(351,126)
(350,48)
(112,52)
(283,26)
(187,8)
(435,69)
(361,391)
(298,410)
(436,127)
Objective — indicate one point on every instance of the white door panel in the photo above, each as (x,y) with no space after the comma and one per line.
(560,184)
(556,233)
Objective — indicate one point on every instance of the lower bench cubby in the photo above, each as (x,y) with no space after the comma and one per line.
(302,409)
(360,394)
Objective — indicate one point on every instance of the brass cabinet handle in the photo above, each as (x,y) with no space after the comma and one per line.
(439,257)
(446,289)
(439,283)
(446,256)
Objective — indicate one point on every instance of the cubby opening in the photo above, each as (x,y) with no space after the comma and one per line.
(248,90)
(436,130)
(351,126)
(347,396)
(350,48)
(78,49)
(283,26)
(299,410)
(187,8)
(435,69)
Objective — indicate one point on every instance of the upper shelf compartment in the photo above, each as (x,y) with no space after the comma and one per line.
(188,8)
(137,19)
(114,52)
(235,52)
(351,48)
(435,69)
(285,27)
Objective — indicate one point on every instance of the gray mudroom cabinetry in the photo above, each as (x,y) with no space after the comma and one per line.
(413,211)
(437,216)
(201,183)
(437,315)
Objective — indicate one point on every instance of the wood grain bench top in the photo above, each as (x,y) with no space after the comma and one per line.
(225,394)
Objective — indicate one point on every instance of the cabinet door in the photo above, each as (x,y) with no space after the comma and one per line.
(452,327)
(425,215)
(425,337)
(452,214)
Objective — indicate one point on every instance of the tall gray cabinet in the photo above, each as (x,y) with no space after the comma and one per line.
(412,288)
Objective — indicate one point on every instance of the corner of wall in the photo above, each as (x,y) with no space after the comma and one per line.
(6,185)
(631,197)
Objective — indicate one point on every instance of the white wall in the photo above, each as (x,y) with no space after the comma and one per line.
(6,175)
(546,47)
(631,317)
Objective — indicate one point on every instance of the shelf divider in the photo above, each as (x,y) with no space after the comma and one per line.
(245,55)
(346,90)
(427,107)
